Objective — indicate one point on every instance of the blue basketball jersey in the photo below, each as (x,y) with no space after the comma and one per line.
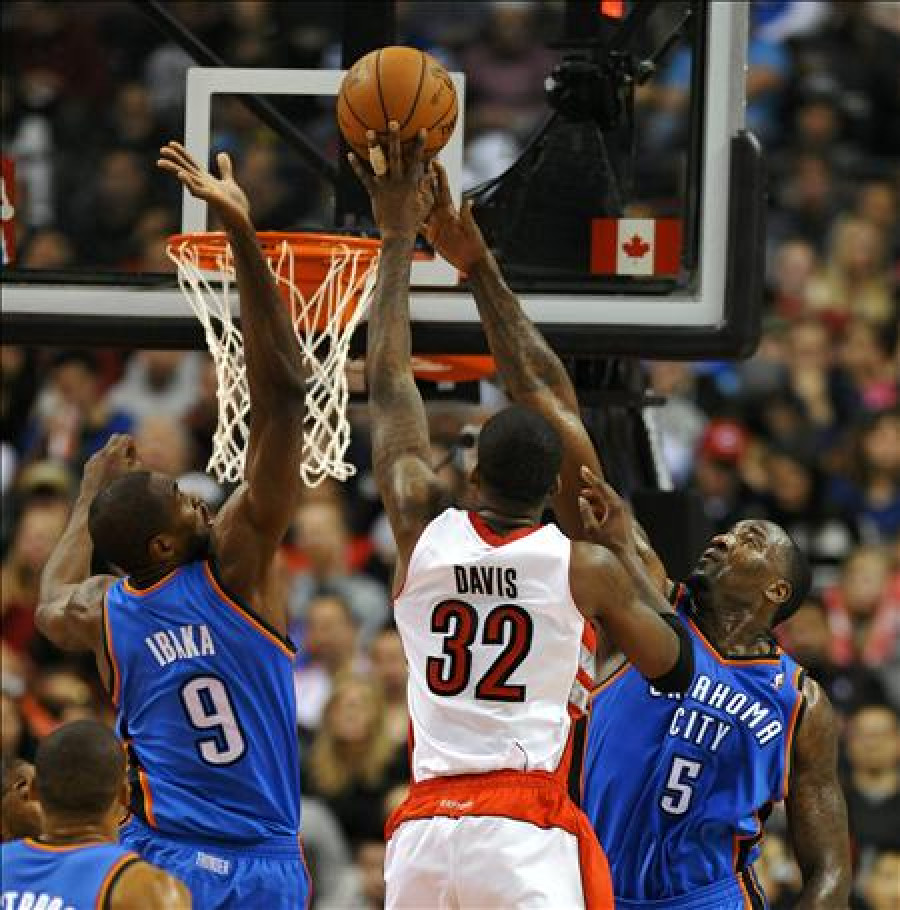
(206,708)
(678,786)
(75,877)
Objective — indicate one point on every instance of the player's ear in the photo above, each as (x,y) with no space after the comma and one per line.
(124,797)
(161,547)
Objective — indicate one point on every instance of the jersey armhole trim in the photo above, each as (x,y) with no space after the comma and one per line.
(408,570)
(411,562)
(753,899)
(615,676)
(109,652)
(282,642)
(141,798)
(790,738)
(112,877)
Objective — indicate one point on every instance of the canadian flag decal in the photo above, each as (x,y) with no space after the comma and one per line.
(635,246)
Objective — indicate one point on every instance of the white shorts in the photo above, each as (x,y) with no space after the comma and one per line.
(481,863)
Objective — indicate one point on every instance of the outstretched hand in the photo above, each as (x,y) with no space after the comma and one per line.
(604,514)
(223,194)
(454,234)
(401,187)
(119,456)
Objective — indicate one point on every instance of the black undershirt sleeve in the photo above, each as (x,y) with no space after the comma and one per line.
(679,677)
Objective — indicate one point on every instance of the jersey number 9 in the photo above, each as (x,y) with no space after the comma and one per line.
(208,707)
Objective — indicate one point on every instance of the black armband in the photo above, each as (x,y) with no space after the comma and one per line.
(679,677)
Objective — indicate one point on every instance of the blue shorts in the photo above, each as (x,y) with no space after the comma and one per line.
(270,874)
(724,895)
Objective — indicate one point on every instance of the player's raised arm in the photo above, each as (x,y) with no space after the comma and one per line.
(401,196)
(609,581)
(252,525)
(532,373)
(613,526)
(69,612)
(816,811)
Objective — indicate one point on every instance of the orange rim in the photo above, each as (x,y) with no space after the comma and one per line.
(307,263)
(209,246)
(453,367)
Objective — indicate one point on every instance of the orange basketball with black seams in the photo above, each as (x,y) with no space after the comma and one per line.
(402,84)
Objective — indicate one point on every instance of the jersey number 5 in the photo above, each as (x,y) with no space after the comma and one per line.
(506,624)
(208,707)
(679,792)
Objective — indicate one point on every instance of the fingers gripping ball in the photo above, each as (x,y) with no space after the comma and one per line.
(402,84)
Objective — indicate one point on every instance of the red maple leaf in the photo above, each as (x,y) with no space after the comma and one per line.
(636,248)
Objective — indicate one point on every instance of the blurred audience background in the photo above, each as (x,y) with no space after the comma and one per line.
(806,432)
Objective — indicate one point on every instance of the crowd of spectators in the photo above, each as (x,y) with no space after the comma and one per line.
(806,432)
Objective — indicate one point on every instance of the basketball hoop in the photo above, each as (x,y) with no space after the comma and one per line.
(327,281)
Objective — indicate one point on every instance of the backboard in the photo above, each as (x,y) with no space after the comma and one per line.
(614,179)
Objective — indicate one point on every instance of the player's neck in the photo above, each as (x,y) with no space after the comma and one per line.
(503,515)
(65,831)
(149,576)
(735,632)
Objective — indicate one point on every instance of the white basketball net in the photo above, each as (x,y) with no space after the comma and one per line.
(323,339)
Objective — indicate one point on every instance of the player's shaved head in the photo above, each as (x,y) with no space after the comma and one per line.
(79,769)
(125,516)
(519,455)
(754,565)
(796,569)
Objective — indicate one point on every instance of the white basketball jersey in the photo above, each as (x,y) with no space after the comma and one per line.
(494,645)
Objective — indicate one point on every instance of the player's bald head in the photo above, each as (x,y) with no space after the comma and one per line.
(79,769)
(794,567)
(124,517)
(755,565)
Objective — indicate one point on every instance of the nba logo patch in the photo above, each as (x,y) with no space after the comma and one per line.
(213,863)
(778,681)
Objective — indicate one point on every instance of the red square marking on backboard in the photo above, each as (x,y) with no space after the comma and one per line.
(615,9)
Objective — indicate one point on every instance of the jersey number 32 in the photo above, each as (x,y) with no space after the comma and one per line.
(506,625)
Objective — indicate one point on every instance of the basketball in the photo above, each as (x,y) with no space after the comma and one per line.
(402,84)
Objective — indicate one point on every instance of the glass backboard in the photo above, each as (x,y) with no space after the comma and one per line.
(603,144)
